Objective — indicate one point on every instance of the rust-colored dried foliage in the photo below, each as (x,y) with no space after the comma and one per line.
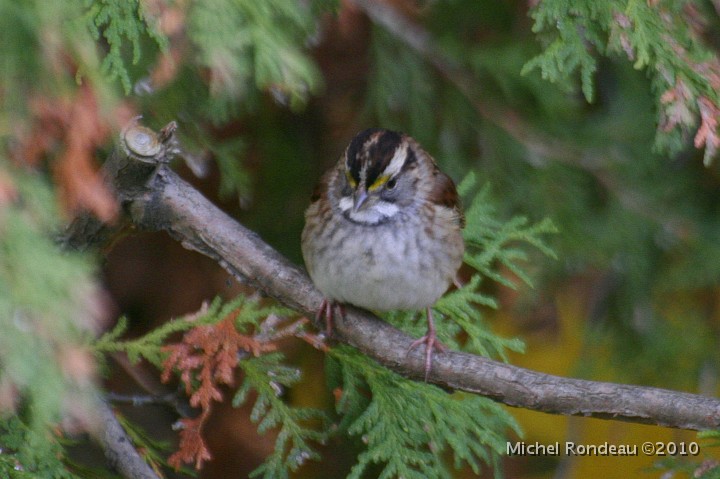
(172,21)
(707,134)
(8,191)
(676,107)
(680,101)
(192,448)
(205,358)
(71,129)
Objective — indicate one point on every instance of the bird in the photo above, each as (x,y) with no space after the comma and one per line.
(384,231)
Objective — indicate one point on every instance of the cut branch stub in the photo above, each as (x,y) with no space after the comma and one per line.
(142,142)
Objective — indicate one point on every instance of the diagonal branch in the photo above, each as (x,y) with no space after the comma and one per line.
(163,201)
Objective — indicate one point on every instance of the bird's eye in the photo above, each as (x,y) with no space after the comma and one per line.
(391,183)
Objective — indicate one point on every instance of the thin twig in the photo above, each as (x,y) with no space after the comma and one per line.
(119,449)
(138,400)
(172,400)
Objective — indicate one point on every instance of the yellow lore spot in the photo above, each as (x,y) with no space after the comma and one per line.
(350,179)
(379,182)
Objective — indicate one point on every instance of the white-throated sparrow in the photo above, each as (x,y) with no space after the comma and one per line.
(383,231)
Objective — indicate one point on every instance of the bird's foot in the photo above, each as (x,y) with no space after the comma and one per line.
(431,343)
(327,309)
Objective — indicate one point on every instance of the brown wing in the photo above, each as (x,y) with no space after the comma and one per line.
(445,193)
(317,192)
(322,186)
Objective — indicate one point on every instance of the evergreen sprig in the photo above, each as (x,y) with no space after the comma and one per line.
(18,461)
(408,427)
(298,427)
(150,346)
(461,307)
(45,312)
(248,44)
(665,38)
(492,242)
(567,51)
(122,23)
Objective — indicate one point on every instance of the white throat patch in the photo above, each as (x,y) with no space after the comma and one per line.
(370,215)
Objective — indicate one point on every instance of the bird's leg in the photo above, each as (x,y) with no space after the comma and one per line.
(326,311)
(341,310)
(430,341)
(327,308)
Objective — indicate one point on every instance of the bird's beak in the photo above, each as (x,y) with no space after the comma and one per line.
(359,198)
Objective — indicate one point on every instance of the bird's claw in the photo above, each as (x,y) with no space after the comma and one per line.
(431,343)
(327,308)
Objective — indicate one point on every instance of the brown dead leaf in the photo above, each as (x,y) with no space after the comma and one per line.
(77,364)
(81,185)
(8,192)
(171,21)
(707,134)
(676,109)
(69,130)
(192,447)
(9,395)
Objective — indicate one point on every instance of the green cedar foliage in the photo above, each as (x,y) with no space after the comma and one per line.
(408,427)
(49,47)
(249,46)
(46,314)
(18,461)
(299,428)
(122,23)
(664,38)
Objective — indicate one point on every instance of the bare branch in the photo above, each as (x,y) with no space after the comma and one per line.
(168,203)
(119,449)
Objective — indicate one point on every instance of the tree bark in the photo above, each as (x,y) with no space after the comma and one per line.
(119,450)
